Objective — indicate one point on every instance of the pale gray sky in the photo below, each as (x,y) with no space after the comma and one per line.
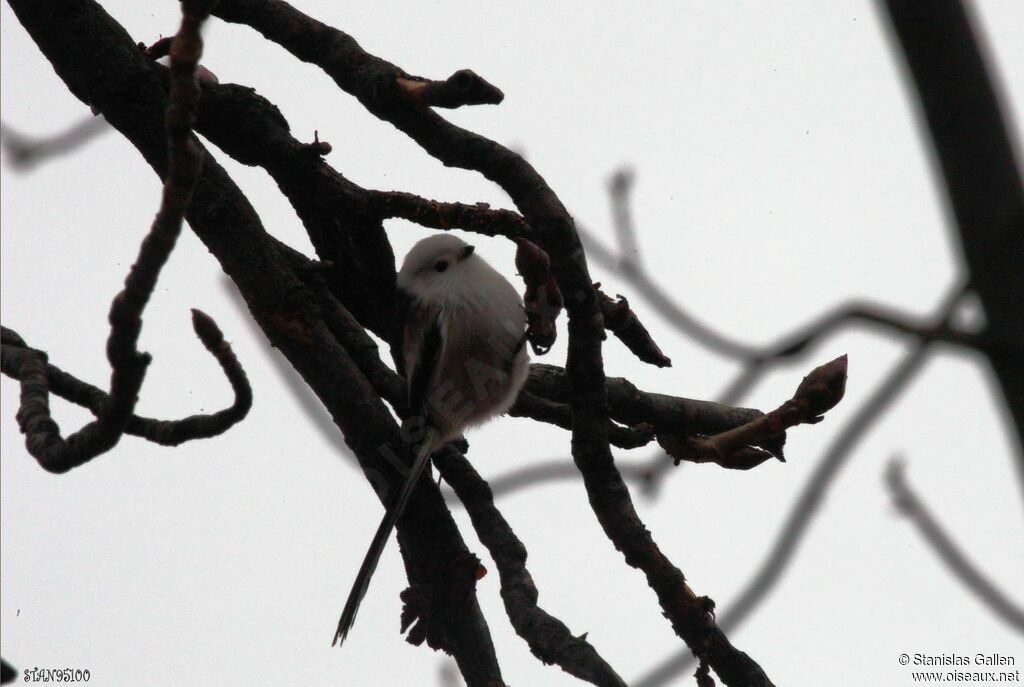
(779,172)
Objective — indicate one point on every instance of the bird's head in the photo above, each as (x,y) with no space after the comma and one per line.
(434,261)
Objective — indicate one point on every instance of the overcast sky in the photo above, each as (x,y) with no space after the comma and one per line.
(779,172)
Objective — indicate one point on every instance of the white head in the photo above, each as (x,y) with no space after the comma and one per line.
(435,261)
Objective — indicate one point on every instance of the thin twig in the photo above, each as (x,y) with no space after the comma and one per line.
(641,473)
(794,345)
(163,432)
(910,505)
(625,262)
(818,393)
(28,151)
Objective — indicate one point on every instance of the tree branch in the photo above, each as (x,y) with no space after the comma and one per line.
(910,505)
(631,406)
(812,495)
(797,344)
(102,66)
(26,152)
(43,438)
(560,415)
(549,639)
(626,263)
(464,87)
(818,393)
(983,182)
(163,432)
(376,83)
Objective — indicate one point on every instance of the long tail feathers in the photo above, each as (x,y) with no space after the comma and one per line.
(380,540)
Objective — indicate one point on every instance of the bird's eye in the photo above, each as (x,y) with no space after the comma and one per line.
(441,265)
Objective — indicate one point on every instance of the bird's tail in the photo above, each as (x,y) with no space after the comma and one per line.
(380,540)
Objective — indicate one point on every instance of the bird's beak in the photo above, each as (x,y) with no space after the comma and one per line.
(467,251)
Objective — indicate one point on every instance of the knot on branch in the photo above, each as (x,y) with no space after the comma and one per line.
(464,87)
(428,606)
(162,48)
(543,299)
(317,148)
(621,321)
(703,675)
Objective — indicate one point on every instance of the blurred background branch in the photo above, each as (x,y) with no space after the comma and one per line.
(910,504)
(24,152)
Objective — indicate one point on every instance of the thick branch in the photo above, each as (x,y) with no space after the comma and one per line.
(101,65)
(377,84)
(549,639)
(961,108)
(560,415)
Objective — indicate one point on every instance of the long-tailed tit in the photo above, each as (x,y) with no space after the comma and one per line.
(464,357)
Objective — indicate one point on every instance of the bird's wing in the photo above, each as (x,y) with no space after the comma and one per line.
(422,344)
(396,339)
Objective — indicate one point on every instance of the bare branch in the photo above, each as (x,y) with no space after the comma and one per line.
(164,432)
(368,78)
(643,474)
(619,188)
(818,393)
(43,439)
(464,87)
(647,288)
(103,67)
(549,639)
(757,359)
(812,496)
(982,178)
(621,321)
(560,415)
(632,407)
(479,218)
(910,505)
(797,344)
(28,151)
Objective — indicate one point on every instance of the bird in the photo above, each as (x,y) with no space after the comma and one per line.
(461,343)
